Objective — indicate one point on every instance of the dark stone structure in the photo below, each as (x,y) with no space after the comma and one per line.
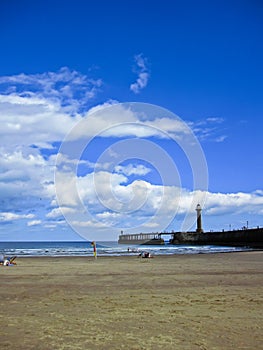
(251,238)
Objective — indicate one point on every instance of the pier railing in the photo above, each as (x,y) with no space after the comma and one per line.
(139,236)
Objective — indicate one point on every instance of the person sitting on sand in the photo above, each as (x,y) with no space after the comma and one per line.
(145,255)
(7,261)
(12,260)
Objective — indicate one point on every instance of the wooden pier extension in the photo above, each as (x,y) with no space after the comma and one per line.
(141,238)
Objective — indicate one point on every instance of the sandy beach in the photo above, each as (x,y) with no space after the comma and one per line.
(205,301)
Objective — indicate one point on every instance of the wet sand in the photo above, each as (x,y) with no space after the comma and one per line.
(206,301)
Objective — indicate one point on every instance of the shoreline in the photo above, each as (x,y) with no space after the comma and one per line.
(136,255)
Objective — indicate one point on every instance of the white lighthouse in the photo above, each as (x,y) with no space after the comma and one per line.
(199,219)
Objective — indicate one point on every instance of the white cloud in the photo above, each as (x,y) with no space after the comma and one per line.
(215,120)
(70,88)
(121,120)
(132,169)
(210,129)
(26,178)
(89,224)
(32,121)
(108,215)
(44,112)
(221,138)
(34,223)
(36,111)
(113,202)
(6,217)
(140,83)
(143,74)
(59,212)
(219,203)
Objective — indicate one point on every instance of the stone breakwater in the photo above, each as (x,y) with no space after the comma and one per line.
(252,238)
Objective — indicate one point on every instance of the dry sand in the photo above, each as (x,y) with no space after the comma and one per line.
(206,301)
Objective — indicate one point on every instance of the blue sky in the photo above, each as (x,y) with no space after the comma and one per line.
(63,63)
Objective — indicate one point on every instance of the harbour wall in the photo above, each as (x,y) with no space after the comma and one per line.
(248,237)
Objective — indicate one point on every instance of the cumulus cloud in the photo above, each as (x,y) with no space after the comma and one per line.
(26,178)
(89,224)
(132,169)
(219,203)
(32,121)
(68,87)
(38,111)
(34,223)
(114,202)
(8,217)
(143,74)
(122,120)
(59,212)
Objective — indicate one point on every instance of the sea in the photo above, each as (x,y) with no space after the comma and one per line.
(84,248)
